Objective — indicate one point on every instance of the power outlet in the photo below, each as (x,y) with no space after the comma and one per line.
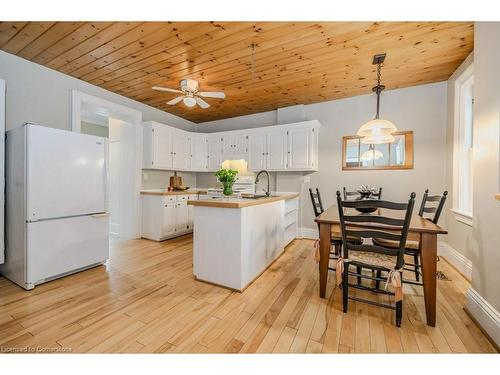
(306,179)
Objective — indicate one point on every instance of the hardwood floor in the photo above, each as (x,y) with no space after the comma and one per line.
(147,301)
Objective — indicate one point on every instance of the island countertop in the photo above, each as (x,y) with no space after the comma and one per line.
(176,192)
(241,202)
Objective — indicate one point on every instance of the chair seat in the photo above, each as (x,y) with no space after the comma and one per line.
(410,244)
(374,259)
(336,236)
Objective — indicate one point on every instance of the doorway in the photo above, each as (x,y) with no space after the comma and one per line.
(122,127)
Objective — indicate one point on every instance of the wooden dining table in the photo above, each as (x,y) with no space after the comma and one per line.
(421,229)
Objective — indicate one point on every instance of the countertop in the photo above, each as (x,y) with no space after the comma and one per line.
(179,192)
(497,196)
(241,202)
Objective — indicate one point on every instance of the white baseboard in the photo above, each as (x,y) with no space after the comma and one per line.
(308,233)
(457,260)
(485,314)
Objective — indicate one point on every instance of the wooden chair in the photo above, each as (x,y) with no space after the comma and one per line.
(356,195)
(412,248)
(374,257)
(336,237)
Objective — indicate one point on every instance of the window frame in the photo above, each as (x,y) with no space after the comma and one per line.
(463,82)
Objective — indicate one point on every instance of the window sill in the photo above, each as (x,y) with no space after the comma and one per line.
(463,217)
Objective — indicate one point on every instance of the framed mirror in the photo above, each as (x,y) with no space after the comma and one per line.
(396,155)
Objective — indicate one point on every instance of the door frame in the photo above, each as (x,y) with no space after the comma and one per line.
(128,115)
(2,170)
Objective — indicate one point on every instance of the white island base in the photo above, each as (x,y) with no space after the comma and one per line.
(234,245)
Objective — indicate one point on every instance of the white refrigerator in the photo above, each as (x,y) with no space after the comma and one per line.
(56,204)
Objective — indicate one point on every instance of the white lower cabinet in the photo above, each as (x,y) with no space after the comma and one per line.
(166,216)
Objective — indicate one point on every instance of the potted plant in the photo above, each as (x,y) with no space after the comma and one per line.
(227,178)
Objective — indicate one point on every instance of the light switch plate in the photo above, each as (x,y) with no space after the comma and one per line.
(145,176)
(307,179)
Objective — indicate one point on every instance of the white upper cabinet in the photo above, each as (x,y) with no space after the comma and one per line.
(302,147)
(157,152)
(290,147)
(276,150)
(234,145)
(181,150)
(214,150)
(199,152)
(257,150)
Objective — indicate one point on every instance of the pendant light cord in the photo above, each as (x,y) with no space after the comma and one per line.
(378,89)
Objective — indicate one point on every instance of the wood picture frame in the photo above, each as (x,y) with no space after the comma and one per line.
(406,164)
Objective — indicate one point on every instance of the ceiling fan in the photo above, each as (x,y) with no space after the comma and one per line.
(190,94)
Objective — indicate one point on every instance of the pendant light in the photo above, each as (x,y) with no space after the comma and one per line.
(378,130)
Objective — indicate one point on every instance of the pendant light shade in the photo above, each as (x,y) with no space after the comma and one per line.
(378,130)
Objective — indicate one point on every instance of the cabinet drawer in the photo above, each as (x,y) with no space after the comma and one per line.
(169,199)
(291,205)
(193,197)
(182,198)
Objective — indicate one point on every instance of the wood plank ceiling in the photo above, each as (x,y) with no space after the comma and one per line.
(260,66)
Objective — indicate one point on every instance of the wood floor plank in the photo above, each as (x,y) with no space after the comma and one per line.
(146,300)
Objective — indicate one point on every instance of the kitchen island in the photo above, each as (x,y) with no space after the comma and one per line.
(236,239)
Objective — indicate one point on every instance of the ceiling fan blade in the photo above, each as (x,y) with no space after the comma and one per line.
(203,104)
(158,88)
(212,94)
(175,100)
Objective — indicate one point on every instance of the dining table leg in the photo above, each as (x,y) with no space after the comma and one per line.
(429,268)
(324,259)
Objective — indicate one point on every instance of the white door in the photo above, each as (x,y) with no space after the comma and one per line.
(300,148)
(169,219)
(276,150)
(257,151)
(182,216)
(214,152)
(59,246)
(181,151)
(162,147)
(198,152)
(66,173)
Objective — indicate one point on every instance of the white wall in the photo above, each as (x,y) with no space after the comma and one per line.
(486,210)
(42,95)
(39,94)
(420,108)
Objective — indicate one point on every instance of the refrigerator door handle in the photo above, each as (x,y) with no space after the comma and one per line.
(96,216)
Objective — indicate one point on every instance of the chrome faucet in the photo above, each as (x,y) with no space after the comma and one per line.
(268,193)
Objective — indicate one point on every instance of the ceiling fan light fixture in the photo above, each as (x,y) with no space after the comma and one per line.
(189,101)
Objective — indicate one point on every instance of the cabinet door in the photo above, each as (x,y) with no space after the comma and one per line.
(276,150)
(214,152)
(162,147)
(181,151)
(182,217)
(240,144)
(169,219)
(229,143)
(198,152)
(257,151)
(300,148)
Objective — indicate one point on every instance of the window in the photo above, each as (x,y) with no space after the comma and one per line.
(463,144)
